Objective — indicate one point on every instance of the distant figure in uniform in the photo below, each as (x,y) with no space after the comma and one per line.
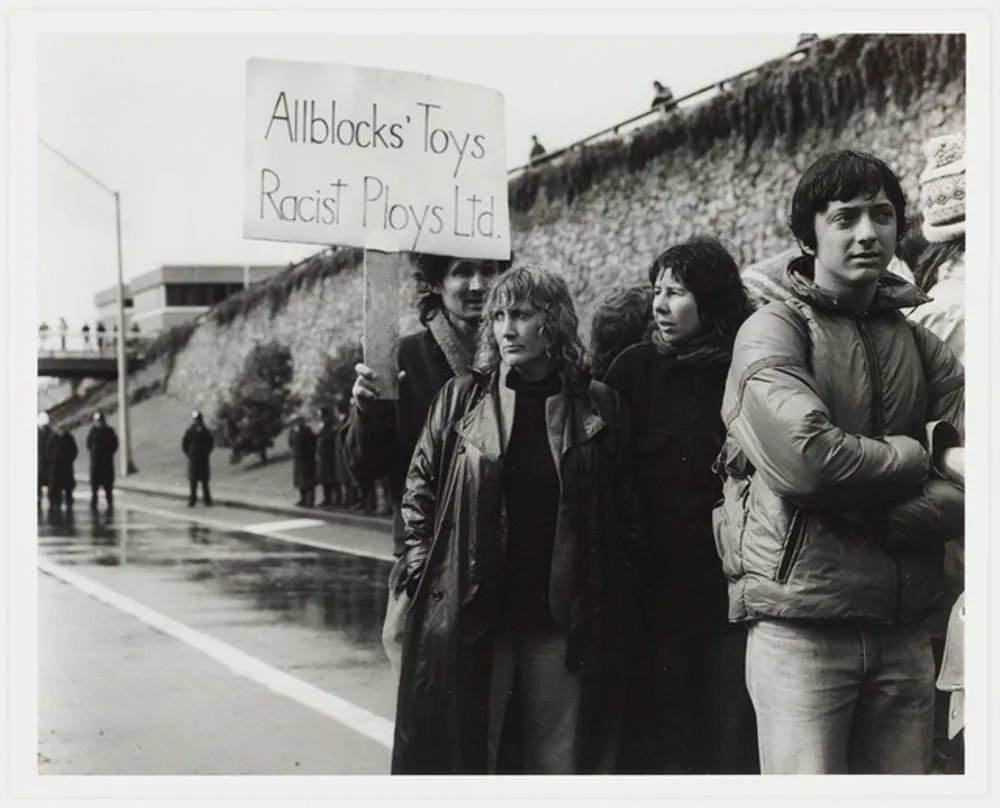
(86,336)
(329,454)
(302,442)
(662,97)
(537,149)
(114,335)
(63,330)
(44,433)
(43,335)
(198,444)
(101,331)
(61,453)
(102,443)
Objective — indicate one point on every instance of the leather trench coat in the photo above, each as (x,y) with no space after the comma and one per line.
(455,536)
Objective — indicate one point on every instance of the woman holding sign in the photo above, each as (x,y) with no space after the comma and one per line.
(518,518)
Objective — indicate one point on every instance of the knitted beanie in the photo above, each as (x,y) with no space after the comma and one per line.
(942,188)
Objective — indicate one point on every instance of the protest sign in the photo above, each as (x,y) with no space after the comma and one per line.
(372,158)
(379,159)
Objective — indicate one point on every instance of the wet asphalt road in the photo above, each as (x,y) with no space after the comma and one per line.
(170,644)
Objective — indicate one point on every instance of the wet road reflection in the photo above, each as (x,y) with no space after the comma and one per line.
(321,589)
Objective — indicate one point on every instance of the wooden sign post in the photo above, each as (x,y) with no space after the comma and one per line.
(381,326)
(379,159)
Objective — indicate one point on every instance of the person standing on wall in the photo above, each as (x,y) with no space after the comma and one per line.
(102,443)
(537,150)
(43,336)
(839,411)
(380,434)
(690,711)
(44,434)
(302,442)
(101,330)
(519,520)
(63,331)
(86,336)
(61,452)
(662,97)
(197,444)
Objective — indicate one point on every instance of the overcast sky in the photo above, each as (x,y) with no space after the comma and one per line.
(161,119)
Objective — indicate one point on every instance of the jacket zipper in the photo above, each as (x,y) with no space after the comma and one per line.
(795,534)
(877,429)
(876,376)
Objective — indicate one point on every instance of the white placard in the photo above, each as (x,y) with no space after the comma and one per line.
(379,159)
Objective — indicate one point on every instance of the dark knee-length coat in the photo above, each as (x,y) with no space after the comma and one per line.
(102,443)
(198,444)
(302,442)
(62,452)
(455,536)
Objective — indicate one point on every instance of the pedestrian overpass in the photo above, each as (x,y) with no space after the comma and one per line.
(74,356)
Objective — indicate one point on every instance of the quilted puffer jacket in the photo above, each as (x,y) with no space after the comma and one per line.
(831,509)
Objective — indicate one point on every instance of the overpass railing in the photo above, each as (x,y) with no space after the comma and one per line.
(75,344)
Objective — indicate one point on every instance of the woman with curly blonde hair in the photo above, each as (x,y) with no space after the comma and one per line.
(518,522)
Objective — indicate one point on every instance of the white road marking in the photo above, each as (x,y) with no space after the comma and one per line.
(287,524)
(218,524)
(350,715)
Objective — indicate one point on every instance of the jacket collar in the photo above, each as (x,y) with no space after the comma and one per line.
(892,291)
(572,416)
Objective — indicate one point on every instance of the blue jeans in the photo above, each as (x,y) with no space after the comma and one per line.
(842,699)
(549,700)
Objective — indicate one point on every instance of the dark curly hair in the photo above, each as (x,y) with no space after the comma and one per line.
(430,270)
(842,176)
(623,318)
(710,273)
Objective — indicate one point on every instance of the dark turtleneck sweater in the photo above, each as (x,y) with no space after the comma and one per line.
(531,493)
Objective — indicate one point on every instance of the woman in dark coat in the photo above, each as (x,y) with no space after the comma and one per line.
(102,443)
(519,523)
(302,442)
(62,452)
(689,710)
(198,444)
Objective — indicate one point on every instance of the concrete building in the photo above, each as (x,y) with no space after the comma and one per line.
(175,294)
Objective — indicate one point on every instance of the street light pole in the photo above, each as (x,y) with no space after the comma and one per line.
(125,463)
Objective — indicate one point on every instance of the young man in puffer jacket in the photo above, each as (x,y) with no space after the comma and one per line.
(834,518)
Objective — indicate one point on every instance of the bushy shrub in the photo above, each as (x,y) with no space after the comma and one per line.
(333,390)
(259,403)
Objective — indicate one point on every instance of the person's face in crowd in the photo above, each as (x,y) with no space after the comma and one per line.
(675,309)
(465,286)
(855,241)
(518,332)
